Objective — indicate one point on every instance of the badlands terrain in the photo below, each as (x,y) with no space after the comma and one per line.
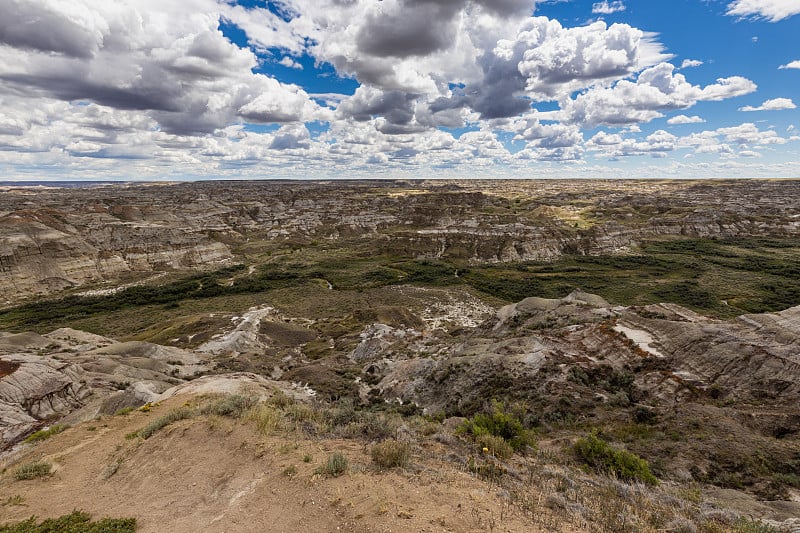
(402,356)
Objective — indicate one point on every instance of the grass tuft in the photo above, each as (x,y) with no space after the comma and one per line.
(267,418)
(232,405)
(32,470)
(180,413)
(75,522)
(335,466)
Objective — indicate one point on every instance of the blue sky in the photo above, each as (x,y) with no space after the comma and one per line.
(217,89)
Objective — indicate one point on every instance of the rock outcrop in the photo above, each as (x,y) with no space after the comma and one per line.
(46,378)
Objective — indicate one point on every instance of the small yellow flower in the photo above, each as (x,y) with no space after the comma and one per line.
(485,449)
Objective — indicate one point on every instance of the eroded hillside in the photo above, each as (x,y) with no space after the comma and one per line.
(53,239)
(530,356)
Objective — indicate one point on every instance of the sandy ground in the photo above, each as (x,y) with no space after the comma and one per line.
(218,475)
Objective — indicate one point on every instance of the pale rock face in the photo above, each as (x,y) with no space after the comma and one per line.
(38,389)
(67,371)
(43,250)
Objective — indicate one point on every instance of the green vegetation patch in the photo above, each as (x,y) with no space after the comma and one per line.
(599,455)
(44,434)
(76,522)
(718,277)
(502,423)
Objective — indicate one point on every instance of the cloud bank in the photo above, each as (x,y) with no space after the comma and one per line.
(160,88)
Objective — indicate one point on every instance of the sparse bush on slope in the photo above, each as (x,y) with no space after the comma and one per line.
(44,434)
(391,454)
(598,454)
(500,422)
(180,413)
(32,470)
(335,466)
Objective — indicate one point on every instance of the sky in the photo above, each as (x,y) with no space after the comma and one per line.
(400,89)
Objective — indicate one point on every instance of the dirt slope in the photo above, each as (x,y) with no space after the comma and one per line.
(218,475)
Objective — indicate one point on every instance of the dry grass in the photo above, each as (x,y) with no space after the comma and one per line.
(267,419)
(32,470)
(391,454)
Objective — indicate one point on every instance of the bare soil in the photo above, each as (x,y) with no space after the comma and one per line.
(218,475)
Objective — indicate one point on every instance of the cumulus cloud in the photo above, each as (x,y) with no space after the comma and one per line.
(771,10)
(776,104)
(156,84)
(743,140)
(657,144)
(689,63)
(791,64)
(656,89)
(410,28)
(165,58)
(683,119)
(288,62)
(51,26)
(541,135)
(557,60)
(607,8)
(732,140)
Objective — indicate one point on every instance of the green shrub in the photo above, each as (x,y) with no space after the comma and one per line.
(598,454)
(76,522)
(180,413)
(391,454)
(335,466)
(500,423)
(32,470)
(124,411)
(44,434)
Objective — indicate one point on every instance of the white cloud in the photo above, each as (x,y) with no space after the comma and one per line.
(749,134)
(557,61)
(689,63)
(791,64)
(288,62)
(655,90)
(776,104)
(164,58)
(683,119)
(153,88)
(772,10)
(657,144)
(737,139)
(607,8)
